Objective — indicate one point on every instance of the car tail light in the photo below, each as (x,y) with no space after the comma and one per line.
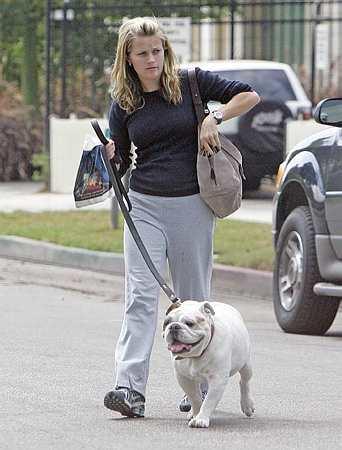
(304,113)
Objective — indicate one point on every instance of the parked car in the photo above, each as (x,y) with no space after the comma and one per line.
(259,134)
(307,228)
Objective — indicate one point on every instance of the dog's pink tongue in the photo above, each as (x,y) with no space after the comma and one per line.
(177,347)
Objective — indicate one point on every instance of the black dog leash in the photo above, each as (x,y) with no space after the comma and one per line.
(120,192)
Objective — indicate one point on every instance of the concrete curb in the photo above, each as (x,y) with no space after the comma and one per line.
(256,283)
(235,279)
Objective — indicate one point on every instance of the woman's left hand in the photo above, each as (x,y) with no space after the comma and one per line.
(209,139)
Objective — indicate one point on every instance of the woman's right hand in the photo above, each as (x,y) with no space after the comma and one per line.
(110,149)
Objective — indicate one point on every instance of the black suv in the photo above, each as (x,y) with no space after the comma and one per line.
(307,229)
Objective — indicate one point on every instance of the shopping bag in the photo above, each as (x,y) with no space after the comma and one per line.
(92,183)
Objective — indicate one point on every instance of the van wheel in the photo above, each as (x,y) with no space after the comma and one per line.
(297,308)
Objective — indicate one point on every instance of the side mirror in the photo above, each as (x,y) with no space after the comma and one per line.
(329,112)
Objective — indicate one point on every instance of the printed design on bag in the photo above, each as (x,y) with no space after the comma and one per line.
(95,178)
(92,182)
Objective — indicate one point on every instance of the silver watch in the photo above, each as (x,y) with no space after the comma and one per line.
(218,116)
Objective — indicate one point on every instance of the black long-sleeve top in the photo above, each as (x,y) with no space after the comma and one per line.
(165,136)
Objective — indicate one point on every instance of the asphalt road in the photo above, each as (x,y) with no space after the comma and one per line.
(58,328)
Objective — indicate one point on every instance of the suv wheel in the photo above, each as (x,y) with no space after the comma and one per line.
(297,308)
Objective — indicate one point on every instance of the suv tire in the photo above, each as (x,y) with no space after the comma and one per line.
(297,308)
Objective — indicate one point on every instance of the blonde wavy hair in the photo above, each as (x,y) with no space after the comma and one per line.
(127,90)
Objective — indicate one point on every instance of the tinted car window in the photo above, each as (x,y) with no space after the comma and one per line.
(269,84)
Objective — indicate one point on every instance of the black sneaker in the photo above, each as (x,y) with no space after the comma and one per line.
(185,405)
(126,401)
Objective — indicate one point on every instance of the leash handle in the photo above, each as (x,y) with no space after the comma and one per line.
(119,193)
(98,131)
(103,138)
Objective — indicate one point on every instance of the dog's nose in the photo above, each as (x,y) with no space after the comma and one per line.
(175,327)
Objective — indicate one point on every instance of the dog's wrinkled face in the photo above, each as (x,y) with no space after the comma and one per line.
(187,328)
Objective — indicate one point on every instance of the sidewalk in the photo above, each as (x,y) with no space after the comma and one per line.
(27,196)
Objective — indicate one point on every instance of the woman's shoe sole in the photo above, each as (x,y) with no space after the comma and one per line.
(121,407)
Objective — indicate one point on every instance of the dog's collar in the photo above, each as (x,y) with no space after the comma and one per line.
(212,328)
(211,338)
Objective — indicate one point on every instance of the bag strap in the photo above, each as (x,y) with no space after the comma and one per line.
(200,112)
(196,96)
(115,178)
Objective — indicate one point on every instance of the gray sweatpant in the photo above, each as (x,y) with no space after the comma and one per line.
(174,229)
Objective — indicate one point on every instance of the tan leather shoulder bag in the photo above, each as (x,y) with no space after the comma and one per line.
(220,175)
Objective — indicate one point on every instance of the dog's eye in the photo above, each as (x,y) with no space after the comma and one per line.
(189,324)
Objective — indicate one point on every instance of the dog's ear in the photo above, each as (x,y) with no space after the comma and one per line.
(206,308)
(172,307)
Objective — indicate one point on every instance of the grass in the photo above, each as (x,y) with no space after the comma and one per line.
(236,243)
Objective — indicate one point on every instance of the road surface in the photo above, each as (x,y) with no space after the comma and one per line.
(58,327)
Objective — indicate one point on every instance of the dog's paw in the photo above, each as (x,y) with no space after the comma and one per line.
(199,422)
(247,407)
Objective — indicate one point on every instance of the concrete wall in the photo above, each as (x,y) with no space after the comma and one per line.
(68,136)
(67,139)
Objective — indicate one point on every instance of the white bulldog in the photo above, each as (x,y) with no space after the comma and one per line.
(209,343)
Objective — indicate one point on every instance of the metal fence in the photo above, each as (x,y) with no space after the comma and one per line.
(82,38)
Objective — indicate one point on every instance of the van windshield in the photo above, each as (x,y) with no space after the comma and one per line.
(269,84)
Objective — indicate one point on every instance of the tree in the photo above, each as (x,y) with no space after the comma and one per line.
(21,43)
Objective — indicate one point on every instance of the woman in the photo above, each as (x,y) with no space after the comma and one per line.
(153,108)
